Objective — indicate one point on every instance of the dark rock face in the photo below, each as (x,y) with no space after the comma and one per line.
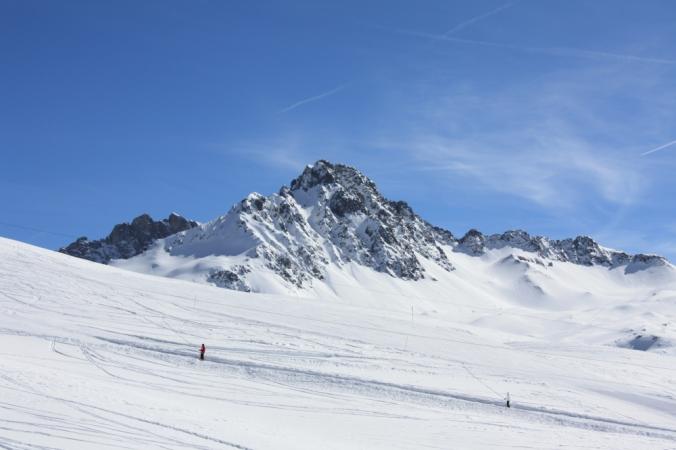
(641,262)
(231,279)
(127,239)
(473,243)
(582,250)
(300,259)
(330,214)
(365,227)
(343,203)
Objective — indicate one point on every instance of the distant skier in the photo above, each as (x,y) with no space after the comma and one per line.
(203,349)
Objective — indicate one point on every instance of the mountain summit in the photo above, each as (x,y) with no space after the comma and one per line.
(331,215)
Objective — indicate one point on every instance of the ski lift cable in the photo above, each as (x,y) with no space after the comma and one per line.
(499,395)
(37,230)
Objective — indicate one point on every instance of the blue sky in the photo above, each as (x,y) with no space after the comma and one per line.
(486,114)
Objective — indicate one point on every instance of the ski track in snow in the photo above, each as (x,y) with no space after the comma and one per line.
(94,357)
(373,387)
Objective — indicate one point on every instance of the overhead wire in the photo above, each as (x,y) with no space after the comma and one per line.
(37,230)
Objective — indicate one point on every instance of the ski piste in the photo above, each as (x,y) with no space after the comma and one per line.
(98,357)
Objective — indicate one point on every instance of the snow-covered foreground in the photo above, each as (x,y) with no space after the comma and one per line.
(96,357)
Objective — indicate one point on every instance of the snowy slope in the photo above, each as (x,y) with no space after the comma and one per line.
(634,310)
(98,357)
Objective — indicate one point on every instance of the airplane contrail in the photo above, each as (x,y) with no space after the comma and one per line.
(313,99)
(657,149)
(554,51)
(469,22)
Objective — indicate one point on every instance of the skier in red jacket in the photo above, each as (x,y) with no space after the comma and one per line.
(202,350)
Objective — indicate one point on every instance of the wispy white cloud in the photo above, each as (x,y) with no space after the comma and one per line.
(555,142)
(657,149)
(313,98)
(552,51)
(555,170)
(284,154)
(473,20)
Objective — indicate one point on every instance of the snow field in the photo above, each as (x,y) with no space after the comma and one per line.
(97,357)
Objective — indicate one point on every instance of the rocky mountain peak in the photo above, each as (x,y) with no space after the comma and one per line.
(327,174)
(473,243)
(330,214)
(348,210)
(582,250)
(128,239)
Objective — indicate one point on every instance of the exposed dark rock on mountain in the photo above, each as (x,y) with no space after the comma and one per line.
(364,226)
(230,279)
(331,213)
(582,250)
(128,239)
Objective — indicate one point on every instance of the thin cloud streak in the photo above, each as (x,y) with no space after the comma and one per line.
(313,99)
(538,141)
(554,51)
(532,174)
(657,149)
(476,19)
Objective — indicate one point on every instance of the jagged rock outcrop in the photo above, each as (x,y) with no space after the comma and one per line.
(581,250)
(230,279)
(473,243)
(330,214)
(128,239)
(363,226)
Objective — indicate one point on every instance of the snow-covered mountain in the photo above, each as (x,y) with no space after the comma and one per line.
(331,217)
(582,250)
